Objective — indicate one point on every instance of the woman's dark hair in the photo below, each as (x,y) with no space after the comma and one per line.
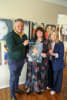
(39,29)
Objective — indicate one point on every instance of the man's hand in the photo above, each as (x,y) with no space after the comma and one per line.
(26,42)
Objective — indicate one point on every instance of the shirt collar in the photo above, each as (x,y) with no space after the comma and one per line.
(19,34)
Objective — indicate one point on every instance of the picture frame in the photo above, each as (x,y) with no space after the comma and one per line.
(6,26)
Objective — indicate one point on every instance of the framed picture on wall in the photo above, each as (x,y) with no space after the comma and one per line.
(5,27)
(50,28)
(3,53)
(63,33)
(27,28)
(34,26)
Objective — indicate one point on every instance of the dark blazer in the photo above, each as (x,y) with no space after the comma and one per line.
(58,63)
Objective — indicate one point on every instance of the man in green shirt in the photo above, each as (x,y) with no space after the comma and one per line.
(16,43)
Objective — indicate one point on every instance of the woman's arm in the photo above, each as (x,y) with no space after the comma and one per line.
(60,52)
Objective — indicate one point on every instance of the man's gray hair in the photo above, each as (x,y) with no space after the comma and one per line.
(21,20)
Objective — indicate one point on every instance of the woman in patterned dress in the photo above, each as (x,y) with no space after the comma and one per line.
(37,72)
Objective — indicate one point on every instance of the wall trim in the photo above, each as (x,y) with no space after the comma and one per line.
(7,86)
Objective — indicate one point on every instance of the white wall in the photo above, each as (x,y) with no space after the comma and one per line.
(62,19)
(34,10)
(4,76)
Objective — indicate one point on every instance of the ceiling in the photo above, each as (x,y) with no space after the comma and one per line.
(58,2)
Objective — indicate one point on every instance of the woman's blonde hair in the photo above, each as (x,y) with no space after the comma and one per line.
(57,36)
